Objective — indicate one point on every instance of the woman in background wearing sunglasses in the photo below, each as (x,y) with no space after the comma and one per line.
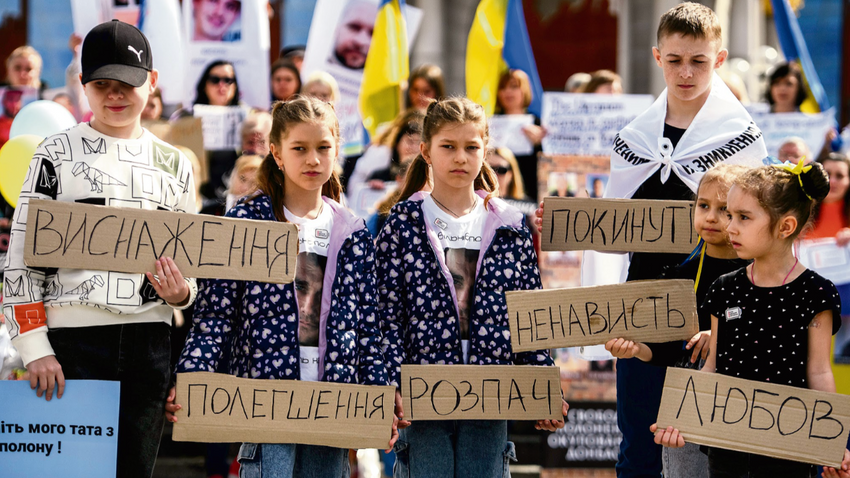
(216,87)
(504,163)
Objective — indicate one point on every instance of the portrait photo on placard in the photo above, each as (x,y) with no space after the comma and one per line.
(354,34)
(216,21)
(595,185)
(562,184)
(309,283)
(462,264)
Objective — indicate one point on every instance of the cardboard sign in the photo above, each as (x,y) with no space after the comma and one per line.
(756,417)
(61,437)
(618,225)
(82,236)
(644,311)
(476,392)
(220,408)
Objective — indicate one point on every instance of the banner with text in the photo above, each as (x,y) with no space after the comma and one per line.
(778,127)
(62,437)
(756,417)
(644,311)
(476,392)
(618,225)
(80,236)
(585,125)
(220,408)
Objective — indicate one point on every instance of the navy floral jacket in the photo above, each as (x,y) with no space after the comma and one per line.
(255,324)
(418,301)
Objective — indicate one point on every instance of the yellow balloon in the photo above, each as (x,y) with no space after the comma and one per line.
(15,157)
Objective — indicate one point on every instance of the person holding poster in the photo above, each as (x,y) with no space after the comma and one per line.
(444,260)
(694,124)
(104,325)
(302,330)
(714,257)
(754,337)
(512,98)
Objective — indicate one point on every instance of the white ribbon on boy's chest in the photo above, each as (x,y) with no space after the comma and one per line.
(641,148)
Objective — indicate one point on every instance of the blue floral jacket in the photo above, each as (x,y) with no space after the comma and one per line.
(418,301)
(257,322)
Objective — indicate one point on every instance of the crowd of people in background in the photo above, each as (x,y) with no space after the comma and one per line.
(372,182)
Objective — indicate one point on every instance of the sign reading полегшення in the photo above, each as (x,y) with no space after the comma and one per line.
(220,408)
(618,225)
(82,236)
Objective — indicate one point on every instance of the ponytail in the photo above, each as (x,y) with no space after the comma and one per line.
(786,189)
(418,175)
(488,181)
(270,182)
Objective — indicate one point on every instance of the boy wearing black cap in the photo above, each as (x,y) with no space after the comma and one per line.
(105,325)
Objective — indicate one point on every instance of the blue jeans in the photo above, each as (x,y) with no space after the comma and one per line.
(450,448)
(639,387)
(273,460)
(687,462)
(138,356)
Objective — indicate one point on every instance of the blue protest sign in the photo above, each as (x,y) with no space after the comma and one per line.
(74,436)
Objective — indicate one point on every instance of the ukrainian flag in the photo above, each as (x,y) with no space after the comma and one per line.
(498,40)
(794,49)
(387,67)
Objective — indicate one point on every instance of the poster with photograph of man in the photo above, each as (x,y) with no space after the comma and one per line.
(309,284)
(338,43)
(462,264)
(216,20)
(596,184)
(233,31)
(562,184)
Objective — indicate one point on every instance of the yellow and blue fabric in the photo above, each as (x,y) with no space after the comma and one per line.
(498,40)
(794,49)
(387,67)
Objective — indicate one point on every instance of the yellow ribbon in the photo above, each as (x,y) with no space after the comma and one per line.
(797,170)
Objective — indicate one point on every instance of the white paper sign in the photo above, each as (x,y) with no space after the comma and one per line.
(338,42)
(507,131)
(826,258)
(221,125)
(777,127)
(235,31)
(585,124)
(85,15)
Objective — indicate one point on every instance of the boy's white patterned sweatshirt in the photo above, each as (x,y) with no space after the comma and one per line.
(84,166)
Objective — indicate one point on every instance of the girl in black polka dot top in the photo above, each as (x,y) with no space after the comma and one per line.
(773,320)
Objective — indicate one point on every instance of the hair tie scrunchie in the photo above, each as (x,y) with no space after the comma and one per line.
(797,170)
